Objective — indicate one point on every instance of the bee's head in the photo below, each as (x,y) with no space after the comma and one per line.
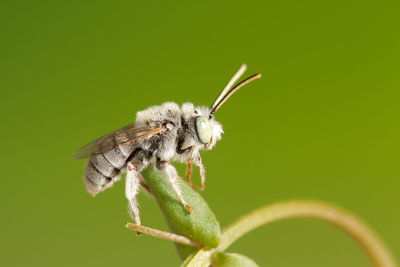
(208,130)
(202,128)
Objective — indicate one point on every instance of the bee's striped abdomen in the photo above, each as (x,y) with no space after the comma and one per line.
(102,170)
(95,181)
(103,165)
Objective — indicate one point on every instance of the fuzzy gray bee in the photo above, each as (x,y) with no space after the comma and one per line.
(159,135)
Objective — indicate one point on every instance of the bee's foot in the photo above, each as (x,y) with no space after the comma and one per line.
(192,185)
(190,209)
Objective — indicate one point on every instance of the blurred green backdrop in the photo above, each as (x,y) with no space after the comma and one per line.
(322,123)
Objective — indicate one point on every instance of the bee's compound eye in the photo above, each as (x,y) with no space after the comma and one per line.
(203,129)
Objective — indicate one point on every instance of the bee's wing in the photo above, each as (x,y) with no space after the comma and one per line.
(123,136)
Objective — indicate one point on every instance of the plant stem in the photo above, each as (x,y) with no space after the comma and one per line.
(164,235)
(342,219)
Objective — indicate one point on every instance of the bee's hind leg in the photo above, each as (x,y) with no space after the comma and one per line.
(171,173)
(132,184)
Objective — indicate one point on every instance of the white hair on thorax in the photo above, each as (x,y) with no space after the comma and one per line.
(158,112)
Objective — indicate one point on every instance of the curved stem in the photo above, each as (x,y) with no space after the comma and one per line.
(342,219)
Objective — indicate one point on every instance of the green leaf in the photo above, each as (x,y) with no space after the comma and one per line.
(234,260)
(201,225)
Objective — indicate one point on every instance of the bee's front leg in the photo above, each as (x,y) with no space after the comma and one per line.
(189,172)
(188,163)
(199,163)
(171,174)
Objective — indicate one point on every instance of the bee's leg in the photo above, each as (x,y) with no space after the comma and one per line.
(181,150)
(189,172)
(171,174)
(202,171)
(131,189)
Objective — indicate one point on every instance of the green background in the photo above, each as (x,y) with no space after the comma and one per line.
(322,123)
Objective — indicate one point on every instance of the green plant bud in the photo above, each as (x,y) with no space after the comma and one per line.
(234,260)
(201,225)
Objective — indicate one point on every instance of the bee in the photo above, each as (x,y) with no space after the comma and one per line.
(159,135)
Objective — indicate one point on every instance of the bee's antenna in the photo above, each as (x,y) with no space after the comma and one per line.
(235,77)
(216,106)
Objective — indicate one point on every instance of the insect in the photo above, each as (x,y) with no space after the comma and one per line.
(159,135)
